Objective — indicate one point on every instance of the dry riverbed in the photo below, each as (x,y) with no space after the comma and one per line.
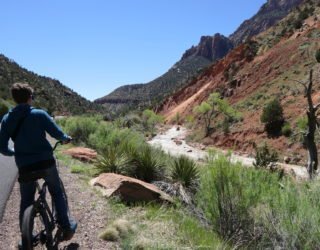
(173,142)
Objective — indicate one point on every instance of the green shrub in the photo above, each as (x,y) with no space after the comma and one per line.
(131,120)
(189,121)
(178,119)
(265,158)
(286,129)
(228,193)
(80,128)
(226,125)
(272,117)
(185,171)
(150,120)
(108,135)
(302,123)
(113,160)
(291,218)
(302,126)
(214,106)
(248,207)
(148,166)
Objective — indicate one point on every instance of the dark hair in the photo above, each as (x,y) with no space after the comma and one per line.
(21,92)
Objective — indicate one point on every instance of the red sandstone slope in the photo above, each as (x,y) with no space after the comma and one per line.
(253,82)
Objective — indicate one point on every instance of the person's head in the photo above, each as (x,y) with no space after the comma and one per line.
(22,93)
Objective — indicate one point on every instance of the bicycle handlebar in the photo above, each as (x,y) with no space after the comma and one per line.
(59,142)
(56,145)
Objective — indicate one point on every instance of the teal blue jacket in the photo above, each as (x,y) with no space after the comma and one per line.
(31,145)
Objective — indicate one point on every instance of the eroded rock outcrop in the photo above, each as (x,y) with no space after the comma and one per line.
(268,15)
(129,189)
(210,47)
(82,154)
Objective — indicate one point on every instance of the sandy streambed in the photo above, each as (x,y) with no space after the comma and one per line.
(173,142)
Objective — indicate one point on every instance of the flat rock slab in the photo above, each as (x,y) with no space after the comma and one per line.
(129,189)
(82,154)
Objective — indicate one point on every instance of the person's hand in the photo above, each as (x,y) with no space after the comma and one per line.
(68,140)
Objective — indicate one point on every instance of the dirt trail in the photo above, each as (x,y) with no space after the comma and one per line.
(88,208)
(167,141)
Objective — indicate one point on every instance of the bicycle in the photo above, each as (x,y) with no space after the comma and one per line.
(39,224)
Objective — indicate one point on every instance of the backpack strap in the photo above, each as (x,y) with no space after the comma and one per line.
(18,126)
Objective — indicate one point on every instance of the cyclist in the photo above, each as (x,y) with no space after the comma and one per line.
(27,127)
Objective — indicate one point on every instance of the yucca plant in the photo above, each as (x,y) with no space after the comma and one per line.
(185,171)
(114,160)
(148,166)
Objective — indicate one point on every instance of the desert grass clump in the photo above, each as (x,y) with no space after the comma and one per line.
(110,234)
(118,229)
(185,171)
(124,227)
(148,165)
(113,160)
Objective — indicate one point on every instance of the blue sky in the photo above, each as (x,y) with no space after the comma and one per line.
(95,46)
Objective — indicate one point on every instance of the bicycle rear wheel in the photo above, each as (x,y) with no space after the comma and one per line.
(36,231)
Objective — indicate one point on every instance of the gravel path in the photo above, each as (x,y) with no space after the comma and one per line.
(89,209)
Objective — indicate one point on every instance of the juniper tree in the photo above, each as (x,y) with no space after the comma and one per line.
(214,106)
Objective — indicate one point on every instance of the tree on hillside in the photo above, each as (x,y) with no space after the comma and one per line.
(312,125)
(272,117)
(214,106)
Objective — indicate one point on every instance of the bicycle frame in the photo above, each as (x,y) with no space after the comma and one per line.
(41,204)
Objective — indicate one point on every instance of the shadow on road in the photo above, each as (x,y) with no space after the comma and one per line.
(72,246)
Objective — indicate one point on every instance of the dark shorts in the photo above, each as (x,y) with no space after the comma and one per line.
(35,171)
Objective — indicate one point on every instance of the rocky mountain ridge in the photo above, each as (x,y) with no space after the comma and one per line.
(268,15)
(210,47)
(141,96)
(50,94)
(254,73)
(209,50)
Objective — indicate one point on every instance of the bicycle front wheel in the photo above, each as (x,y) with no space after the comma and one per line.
(36,231)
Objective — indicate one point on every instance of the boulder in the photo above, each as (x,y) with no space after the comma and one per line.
(82,154)
(129,189)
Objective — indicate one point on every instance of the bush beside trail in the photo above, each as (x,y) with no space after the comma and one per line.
(252,208)
(249,208)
